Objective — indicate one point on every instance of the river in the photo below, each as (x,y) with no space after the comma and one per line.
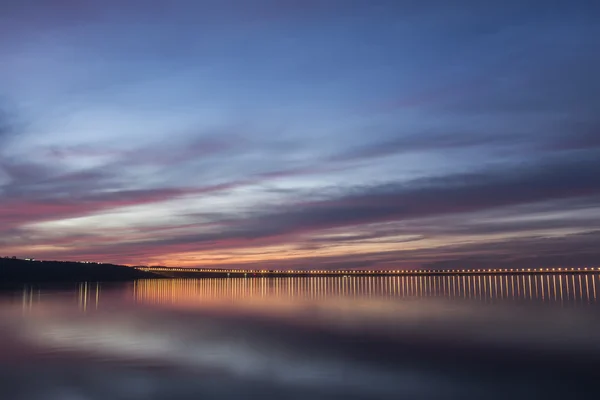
(419,337)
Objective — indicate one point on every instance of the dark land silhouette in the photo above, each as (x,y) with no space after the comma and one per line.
(26,271)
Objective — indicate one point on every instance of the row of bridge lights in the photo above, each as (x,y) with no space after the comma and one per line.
(371,271)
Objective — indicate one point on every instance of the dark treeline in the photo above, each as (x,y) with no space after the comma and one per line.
(24,271)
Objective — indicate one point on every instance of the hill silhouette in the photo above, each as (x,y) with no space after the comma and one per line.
(26,271)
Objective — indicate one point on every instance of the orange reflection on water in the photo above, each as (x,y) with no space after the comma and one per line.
(559,289)
(282,293)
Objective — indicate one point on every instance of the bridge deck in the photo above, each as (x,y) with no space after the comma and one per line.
(408,272)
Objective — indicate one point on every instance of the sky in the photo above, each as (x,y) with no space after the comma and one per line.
(301,133)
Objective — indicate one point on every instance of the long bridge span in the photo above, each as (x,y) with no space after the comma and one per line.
(218,272)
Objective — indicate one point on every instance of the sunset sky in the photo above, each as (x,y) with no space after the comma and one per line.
(301,133)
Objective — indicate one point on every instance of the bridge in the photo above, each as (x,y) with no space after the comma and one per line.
(219,272)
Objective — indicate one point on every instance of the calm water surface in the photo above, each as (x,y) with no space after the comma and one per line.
(427,337)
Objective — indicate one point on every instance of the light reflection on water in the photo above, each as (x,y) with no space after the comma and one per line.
(577,289)
(492,336)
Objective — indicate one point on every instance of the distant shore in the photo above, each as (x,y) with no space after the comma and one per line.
(28,271)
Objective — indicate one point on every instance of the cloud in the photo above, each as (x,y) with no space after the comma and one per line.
(452,196)
(427,142)
(577,136)
(575,250)
(36,193)
(8,127)
(250,141)
(17,212)
(174,151)
(4,126)
(460,193)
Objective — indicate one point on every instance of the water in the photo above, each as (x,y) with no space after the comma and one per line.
(425,337)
